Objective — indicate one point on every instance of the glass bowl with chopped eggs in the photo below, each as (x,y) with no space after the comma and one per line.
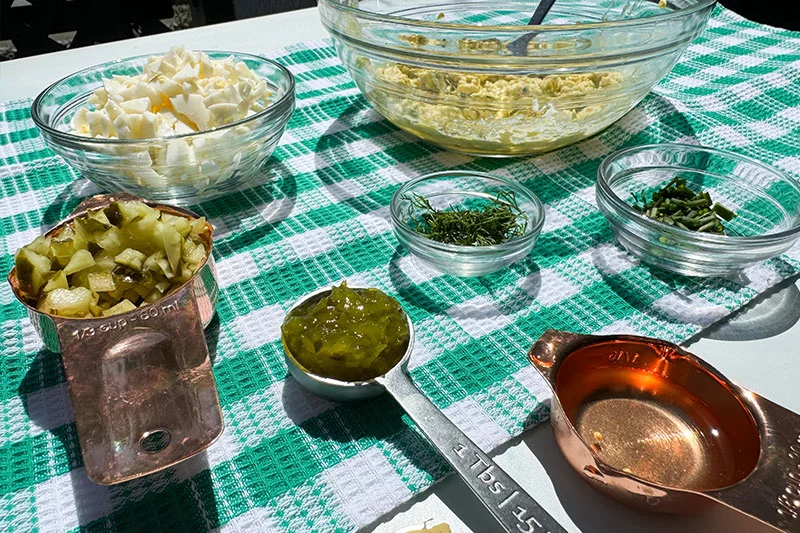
(473,77)
(180,127)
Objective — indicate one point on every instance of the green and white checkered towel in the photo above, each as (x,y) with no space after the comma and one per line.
(289,461)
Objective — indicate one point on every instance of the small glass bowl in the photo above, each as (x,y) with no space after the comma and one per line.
(454,188)
(766,201)
(229,157)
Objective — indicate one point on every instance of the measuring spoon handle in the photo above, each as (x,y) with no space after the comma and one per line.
(506,500)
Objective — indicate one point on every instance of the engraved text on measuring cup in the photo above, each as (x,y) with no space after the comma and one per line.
(622,356)
(141,316)
(789,500)
(485,472)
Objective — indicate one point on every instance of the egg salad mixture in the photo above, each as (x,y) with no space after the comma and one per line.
(481,113)
(182,92)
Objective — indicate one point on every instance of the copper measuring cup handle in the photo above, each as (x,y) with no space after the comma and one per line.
(553,346)
(510,504)
(771,493)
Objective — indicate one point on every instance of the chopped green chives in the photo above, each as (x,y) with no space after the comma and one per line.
(677,205)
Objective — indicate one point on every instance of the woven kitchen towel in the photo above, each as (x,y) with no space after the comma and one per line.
(288,461)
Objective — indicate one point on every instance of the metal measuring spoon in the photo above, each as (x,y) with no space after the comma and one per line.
(513,508)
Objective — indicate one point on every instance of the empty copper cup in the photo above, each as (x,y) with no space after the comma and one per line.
(653,426)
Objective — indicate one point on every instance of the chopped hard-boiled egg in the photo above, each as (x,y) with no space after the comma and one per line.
(180,92)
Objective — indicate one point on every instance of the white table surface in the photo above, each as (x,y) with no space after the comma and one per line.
(769,364)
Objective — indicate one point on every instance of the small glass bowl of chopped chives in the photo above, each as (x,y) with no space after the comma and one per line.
(698,211)
(466,223)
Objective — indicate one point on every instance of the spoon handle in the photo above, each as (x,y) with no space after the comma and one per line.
(541,12)
(513,508)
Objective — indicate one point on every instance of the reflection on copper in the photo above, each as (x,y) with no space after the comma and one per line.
(140,382)
(654,426)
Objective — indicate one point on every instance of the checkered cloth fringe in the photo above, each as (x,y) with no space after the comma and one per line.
(288,461)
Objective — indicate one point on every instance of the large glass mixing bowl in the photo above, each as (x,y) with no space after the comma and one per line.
(472,77)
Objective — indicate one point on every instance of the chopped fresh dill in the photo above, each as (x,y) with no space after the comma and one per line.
(497,221)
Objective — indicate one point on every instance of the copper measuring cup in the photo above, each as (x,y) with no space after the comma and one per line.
(653,426)
(140,382)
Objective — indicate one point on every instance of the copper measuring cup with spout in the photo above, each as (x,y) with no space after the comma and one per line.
(140,382)
(653,426)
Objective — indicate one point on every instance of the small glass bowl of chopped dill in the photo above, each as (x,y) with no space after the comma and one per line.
(466,223)
(698,211)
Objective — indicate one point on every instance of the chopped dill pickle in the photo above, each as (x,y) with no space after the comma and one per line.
(80,260)
(111,260)
(131,258)
(349,335)
(32,270)
(68,302)
(59,281)
(123,307)
(101,281)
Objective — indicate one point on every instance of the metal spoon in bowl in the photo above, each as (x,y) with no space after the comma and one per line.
(513,508)
(519,47)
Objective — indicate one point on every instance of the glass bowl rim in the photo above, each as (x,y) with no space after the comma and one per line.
(70,137)
(513,29)
(622,208)
(535,225)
